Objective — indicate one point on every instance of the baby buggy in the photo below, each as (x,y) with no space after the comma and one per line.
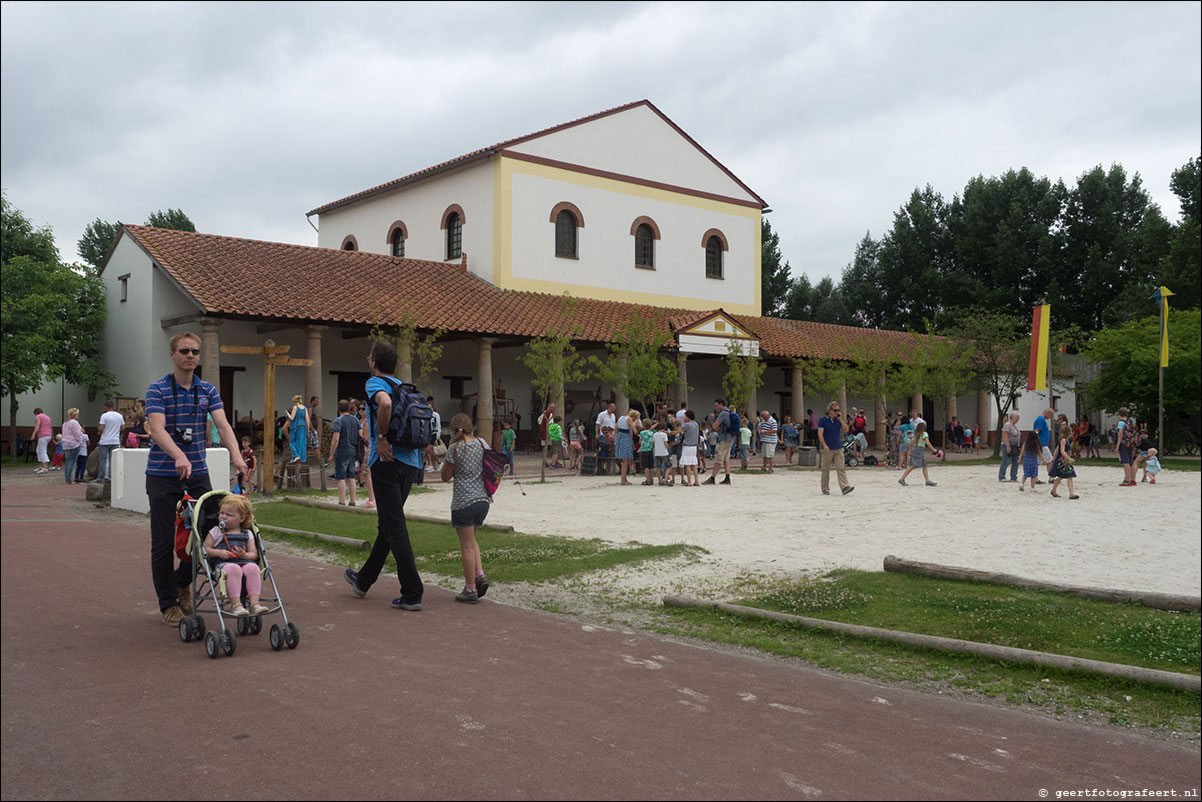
(195,518)
(849,451)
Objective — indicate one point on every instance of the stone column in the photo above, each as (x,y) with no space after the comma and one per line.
(682,372)
(313,372)
(404,361)
(484,401)
(952,412)
(210,357)
(984,408)
(843,399)
(798,409)
(916,405)
(620,398)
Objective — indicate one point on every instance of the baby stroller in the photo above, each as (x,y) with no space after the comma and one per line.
(195,518)
(849,451)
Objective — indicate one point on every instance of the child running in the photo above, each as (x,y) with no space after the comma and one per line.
(1062,463)
(469,502)
(1031,453)
(230,547)
(918,455)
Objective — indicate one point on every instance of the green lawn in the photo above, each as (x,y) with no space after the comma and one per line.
(507,556)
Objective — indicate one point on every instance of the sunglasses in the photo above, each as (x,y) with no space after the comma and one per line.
(188,351)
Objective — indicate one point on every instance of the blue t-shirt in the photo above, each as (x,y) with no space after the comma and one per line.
(409,456)
(832,432)
(181,408)
(1041,428)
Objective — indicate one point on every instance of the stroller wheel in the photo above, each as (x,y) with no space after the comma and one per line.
(198,628)
(185,629)
(852,462)
(243,625)
(212,649)
(256,624)
(229,642)
(276,637)
(292,636)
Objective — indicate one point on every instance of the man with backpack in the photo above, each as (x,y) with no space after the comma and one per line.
(1128,437)
(1043,428)
(726,439)
(399,425)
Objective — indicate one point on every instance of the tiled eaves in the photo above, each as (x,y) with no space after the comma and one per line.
(254,279)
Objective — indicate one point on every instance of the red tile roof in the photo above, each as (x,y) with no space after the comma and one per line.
(484,153)
(257,280)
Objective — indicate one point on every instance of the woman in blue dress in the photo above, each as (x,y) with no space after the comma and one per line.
(624,441)
(298,429)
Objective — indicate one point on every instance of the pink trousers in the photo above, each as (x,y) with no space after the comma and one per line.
(234,574)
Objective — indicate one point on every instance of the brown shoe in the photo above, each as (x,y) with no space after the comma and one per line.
(173,615)
(185,599)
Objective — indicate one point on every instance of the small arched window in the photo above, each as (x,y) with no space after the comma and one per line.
(454,235)
(565,234)
(350,243)
(713,258)
(644,246)
(396,243)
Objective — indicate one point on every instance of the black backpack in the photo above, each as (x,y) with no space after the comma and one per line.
(412,423)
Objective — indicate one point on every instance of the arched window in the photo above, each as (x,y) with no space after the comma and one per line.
(565,234)
(644,246)
(350,243)
(714,242)
(396,239)
(713,258)
(452,221)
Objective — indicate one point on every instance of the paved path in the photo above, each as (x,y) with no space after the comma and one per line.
(101,700)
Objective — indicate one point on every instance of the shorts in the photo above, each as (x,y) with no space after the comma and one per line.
(344,467)
(768,450)
(662,463)
(576,446)
(1047,454)
(744,451)
(688,455)
(1126,456)
(918,459)
(647,458)
(471,515)
(722,451)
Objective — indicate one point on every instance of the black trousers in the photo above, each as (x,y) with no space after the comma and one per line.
(164,493)
(392,482)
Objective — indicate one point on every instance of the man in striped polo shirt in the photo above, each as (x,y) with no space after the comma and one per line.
(177,407)
(768,440)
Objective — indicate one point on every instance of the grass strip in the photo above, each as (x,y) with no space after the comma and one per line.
(507,556)
(1129,634)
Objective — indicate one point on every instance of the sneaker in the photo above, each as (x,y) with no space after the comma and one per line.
(826,492)
(468,596)
(711,480)
(259,609)
(848,489)
(185,599)
(482,585)
(1152,480)
(371,505)
(1073,498)
(240,611)
(932,484)
(401,604)
(1144,479)
(350,504)
(173,615)
(725,481)
(352,577)
(1040,482)
(40,470)
(902,482)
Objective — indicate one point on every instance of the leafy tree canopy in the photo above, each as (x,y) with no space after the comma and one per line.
(100,235)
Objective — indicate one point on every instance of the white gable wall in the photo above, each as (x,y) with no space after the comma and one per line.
(420,207)
(636,142)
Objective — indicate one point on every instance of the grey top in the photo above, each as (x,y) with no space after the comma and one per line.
(1011,433)
(347,428)
(468,459)
(724,433)
(691,433)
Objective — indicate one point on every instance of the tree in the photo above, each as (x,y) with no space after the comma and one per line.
(774,276)
(52,316)
(423,351)
(1181,272)
(635,365)
(1129,356)
(859,292)
(744,375)
(554,362)
(999,348)
(100,235)
(914,257)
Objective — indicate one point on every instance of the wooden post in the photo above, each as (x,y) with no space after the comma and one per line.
(273,355)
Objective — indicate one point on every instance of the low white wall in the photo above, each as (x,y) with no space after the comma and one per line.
(129,476)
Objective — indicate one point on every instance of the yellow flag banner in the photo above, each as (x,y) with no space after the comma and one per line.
(1162,296)
(1037,372)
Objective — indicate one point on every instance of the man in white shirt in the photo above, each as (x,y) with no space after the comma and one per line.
(110,437)
(607,422)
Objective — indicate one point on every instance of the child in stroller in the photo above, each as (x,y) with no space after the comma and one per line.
(851,449)
(229,561)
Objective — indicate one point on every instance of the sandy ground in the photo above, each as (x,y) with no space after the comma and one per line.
(1142,538)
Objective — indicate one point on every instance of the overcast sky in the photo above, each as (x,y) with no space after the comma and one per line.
(248,115)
